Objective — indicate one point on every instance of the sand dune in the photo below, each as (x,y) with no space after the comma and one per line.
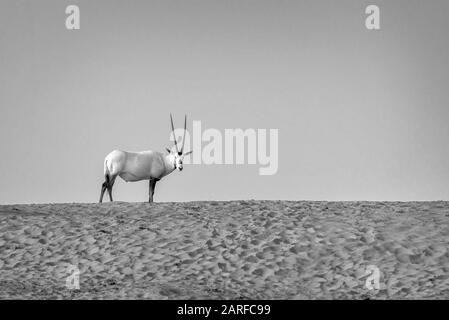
(227,250)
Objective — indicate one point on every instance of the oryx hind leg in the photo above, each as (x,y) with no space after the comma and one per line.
(110,184)
(104,186)
(107,185)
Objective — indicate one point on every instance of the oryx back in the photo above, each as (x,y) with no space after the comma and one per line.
(135,166)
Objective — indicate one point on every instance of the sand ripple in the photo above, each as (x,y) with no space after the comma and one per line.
(229,250)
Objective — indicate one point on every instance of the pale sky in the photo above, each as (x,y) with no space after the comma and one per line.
(362,115)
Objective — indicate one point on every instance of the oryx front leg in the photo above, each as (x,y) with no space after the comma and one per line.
(152,188)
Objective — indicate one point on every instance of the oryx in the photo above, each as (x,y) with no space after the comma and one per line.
(145,165)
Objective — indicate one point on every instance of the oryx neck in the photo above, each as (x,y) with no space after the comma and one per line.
(170,160)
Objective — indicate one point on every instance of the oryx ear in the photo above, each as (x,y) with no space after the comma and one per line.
(168,150)
(188,152)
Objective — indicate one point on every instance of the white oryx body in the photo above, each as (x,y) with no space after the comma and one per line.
(145,165)
(136,166)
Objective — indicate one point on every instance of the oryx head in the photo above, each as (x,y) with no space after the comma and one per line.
(178,155)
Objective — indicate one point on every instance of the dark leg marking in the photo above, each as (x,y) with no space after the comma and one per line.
(107,185)
(110,181)
(152,188)
(103,189)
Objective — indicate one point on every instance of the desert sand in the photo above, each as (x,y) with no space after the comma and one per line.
(225,250)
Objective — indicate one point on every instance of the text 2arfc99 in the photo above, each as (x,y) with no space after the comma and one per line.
(254,309)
